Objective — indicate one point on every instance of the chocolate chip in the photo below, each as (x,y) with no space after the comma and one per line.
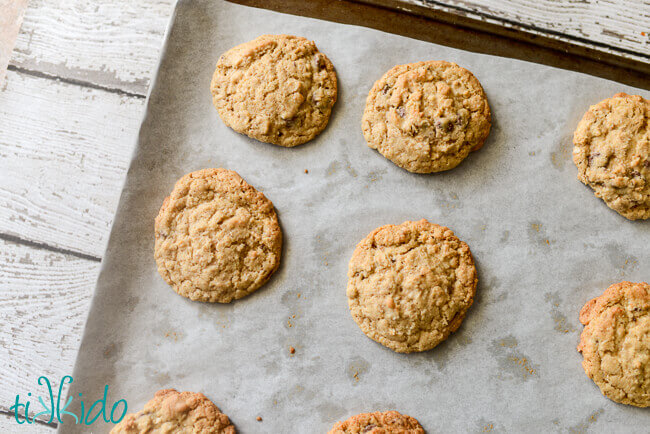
(635,173)
(591,157)
(646,163)
(400,111)
(385,89)
(444,125)
(369,427)
(319,61)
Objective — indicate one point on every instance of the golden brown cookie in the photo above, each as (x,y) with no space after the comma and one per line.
(615,342)
(426,116)
(276,88)
(612,153)
(388,422)
(217,238)
(176,412)
(410,285)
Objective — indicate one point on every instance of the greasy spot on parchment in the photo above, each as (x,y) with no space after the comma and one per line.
(537,233)
(513,364)
(562,153)
(560,321)
(355,368)
(582,427)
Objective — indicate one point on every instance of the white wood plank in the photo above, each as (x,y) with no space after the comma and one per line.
(44,300)
(64,151)
(110,43)
(8,425)
(623,24)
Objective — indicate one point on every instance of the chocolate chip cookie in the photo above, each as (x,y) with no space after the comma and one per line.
(426,116)
(217,238)
(176,412)
(276,88)
(612,153)
(410,285)
(615,342)
(389,422)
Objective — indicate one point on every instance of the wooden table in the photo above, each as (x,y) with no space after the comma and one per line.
(70,108)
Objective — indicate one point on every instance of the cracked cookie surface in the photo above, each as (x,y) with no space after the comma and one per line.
(615,342)
(176,412)
(410,285)
(388,422)
(217,238)
(426,116)
(612,153)
(276,88)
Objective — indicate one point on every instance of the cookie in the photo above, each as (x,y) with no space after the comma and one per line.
(615,342)
(426,116)
(612,153)
(388,422)
(217,238)
(176,412)
(410,285)
(276,88)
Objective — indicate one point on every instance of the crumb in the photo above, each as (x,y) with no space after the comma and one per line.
(258,418)
(292,350)
(298,295)
(548,242)
(642,33)
(306,171)
(172,335)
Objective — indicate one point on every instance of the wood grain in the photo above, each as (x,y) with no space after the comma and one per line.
(44,300)
(113,44)
(8,425)
(613,26)
(64,152)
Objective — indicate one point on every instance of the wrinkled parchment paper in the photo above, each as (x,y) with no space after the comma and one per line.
(543,243)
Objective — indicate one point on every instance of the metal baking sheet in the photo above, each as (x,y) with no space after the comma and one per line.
(543,244)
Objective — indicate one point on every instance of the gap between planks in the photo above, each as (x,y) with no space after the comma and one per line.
(8,425)
(75,82)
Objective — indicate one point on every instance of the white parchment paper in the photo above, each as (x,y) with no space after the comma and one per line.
(543,243)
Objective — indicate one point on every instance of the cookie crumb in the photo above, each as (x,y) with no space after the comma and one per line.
(258,418)
(292,350)
(306,171)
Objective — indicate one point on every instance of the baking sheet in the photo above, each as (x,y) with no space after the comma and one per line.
(543,245)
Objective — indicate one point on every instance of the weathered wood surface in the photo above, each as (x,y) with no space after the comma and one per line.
(44,298)
(65,149)
(8,425)
(621,27)
(69,113)
(112,44)
(70,108)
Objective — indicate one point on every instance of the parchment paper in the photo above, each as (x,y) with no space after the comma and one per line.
(543,243)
